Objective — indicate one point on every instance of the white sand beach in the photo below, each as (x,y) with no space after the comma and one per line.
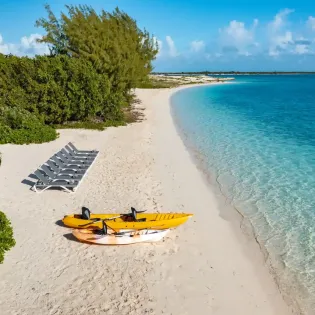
(206,266)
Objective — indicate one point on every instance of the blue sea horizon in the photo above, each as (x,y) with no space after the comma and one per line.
(257,138)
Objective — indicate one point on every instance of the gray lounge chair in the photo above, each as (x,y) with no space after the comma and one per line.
(77,151)
(59,170)
(68,160)
(75,158)
(80,156)
(69,166)
(46,183)
(53,175)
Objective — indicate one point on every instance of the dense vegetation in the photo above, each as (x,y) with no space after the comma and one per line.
(6,233)
(95,61)
(20,126)
(6,236)
(235,72)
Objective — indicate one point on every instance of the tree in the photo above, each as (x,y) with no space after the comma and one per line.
(112,42)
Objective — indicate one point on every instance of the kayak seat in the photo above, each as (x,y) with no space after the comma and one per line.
(134,215)
(86,213)
(102,230)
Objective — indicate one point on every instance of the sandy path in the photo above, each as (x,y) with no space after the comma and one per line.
(204,267)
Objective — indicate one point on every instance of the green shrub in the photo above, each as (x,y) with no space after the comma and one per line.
(96,60)
(19,126)
(156,84)
(58,89)
(6,236)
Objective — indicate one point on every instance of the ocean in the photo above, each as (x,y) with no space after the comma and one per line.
(256,137)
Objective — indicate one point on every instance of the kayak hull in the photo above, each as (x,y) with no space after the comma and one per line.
(133,237)
(155,221)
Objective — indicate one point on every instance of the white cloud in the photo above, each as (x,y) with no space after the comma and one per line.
(171,46)
(283,40)
(237,35)
(238,32)
(159,45)
(245,53)
(255,24)
(301,49)
(311,22)
(278,37)
(273,52)
(280,43)
(28,46)
(280,40)
(279,20)
(5,48)
(197,45)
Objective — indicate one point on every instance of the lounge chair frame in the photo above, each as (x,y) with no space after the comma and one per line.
(60,164)
(53,183)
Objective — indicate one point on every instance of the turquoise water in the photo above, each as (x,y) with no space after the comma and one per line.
(257,137)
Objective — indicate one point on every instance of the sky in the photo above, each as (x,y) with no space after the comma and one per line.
(193,35)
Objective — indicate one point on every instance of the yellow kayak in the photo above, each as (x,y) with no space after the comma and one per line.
(133,221)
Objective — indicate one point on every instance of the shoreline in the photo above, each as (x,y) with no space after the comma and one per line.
(233,219)
(239,221)
(201,267)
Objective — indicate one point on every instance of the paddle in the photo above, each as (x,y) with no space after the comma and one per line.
(93,221)
(98,220)
(104,227)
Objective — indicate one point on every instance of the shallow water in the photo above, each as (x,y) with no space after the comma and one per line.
(258,137)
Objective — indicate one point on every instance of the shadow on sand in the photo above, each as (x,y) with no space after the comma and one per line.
(70,237)
(60,223)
